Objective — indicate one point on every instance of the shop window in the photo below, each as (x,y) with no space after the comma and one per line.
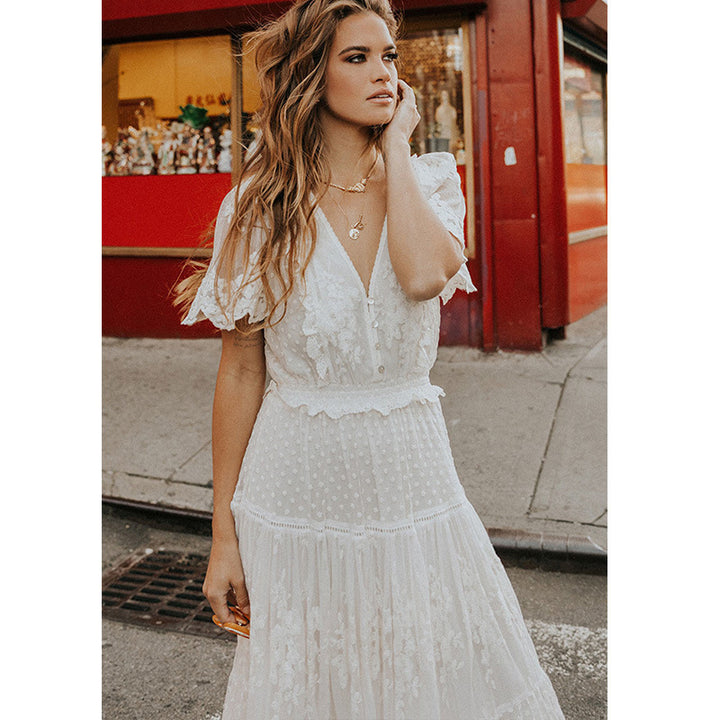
(584,112)
(432,62)
(166,106)
(584,120)
(435,61)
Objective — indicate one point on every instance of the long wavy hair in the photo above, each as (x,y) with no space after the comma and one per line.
(286,171)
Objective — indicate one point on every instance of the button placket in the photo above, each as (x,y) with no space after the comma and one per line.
(375,344)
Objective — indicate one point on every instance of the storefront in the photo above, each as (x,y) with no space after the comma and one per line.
(585,129)
(493,85)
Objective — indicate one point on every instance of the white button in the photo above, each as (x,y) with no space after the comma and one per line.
(377,346)
(381,369)
(371,301)
(375,323)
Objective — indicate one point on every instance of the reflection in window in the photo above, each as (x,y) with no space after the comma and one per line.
(166,107)
(584,113)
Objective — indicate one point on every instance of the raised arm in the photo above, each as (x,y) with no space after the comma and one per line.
(239,391)
(423,253)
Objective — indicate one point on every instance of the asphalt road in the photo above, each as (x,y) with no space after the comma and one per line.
(154,675)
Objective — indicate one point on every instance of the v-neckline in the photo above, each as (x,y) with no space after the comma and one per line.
(383,233)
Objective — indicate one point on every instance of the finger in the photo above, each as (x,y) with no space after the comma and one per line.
(218,603)
(242,600)
(408,92)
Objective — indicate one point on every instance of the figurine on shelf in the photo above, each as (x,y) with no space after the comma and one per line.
(145,116)
(106,153)
(186,148)
(142,161)
(460,152)
(446,121)
(121,155)
(206,152)
(166,154)
(225,158)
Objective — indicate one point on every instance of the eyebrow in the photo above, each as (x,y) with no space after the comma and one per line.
(362,48)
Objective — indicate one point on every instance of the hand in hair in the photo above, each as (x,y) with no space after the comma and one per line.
(405,119)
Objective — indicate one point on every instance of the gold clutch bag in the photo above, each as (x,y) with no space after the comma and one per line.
(240,627)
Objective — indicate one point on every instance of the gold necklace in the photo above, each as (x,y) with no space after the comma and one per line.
(355,228)
(359,187)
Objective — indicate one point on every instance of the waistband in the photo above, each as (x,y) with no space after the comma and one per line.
(338,400)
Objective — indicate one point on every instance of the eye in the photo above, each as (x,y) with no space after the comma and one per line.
(392,56)
(355,58)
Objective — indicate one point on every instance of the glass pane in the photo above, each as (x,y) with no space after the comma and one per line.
(166,106)
(432,63)
(584,114)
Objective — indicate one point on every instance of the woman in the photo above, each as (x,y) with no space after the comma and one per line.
(340,526)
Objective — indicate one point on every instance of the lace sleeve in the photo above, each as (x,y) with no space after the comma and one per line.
(438,176)
(250,301)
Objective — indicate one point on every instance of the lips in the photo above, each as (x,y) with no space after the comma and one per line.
(382,95)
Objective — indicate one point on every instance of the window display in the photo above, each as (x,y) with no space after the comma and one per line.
(584,112)
(432,62)
(166,107)
(166,103)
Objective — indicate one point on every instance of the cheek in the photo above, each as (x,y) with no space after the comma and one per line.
(340,89)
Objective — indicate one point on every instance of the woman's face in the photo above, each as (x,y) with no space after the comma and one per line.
(361,77)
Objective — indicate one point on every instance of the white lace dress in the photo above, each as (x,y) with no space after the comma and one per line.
(374,590)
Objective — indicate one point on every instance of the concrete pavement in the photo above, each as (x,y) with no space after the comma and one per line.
(527,430)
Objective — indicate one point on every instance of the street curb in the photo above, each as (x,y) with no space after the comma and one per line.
(549,551)
(516,548)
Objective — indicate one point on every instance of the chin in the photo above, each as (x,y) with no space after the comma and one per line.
(380,117)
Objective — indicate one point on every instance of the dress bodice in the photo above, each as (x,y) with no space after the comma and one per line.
(339,349)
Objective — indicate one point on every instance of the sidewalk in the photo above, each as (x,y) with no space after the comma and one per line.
(527,433)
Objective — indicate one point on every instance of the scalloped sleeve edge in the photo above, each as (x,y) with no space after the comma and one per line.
(461,280)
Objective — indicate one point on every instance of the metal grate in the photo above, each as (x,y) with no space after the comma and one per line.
(160,589)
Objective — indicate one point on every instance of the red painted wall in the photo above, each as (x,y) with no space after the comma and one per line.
(547,37)
(586,196)
(514,187)
(136,299)
(123,9)
(587,276)
(160,211)
(587,208)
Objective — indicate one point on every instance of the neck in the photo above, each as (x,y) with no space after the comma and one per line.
(347,148)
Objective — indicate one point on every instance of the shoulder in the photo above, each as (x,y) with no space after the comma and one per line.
(227,206)
(434,169)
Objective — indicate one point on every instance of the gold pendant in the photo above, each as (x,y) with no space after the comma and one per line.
(357,187)
(354,231)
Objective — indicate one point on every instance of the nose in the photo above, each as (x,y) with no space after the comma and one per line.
(381,71)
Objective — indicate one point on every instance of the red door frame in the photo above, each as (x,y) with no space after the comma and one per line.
(485,333)
(552,192)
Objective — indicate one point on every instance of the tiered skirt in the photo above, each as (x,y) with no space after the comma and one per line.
(375,592)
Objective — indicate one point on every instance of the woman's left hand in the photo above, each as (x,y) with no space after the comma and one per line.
(405,119)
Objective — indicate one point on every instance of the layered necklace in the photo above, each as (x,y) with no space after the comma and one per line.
(359,187)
